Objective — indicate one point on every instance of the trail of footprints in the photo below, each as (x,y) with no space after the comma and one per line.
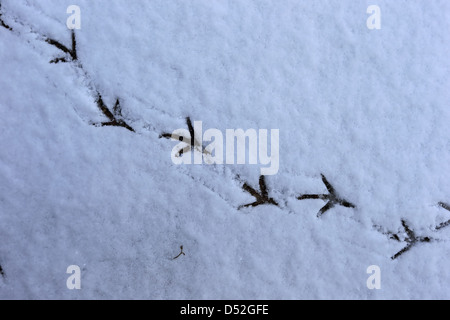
(407,236)
(115,116)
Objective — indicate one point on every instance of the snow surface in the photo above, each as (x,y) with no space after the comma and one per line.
(367,108)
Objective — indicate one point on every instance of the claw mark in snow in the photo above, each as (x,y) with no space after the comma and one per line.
(191,141)
(2,23)
(332,197)
(447,223)
(71,52)
(408,236)
(115,117)
(262,197)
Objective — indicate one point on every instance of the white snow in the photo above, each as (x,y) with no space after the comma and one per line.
(367,108)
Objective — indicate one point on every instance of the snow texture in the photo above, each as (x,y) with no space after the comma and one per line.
(368,109)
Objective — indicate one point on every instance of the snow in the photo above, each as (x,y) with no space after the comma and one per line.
(366,108)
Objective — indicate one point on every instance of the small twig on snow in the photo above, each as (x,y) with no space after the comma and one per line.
(181,253)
